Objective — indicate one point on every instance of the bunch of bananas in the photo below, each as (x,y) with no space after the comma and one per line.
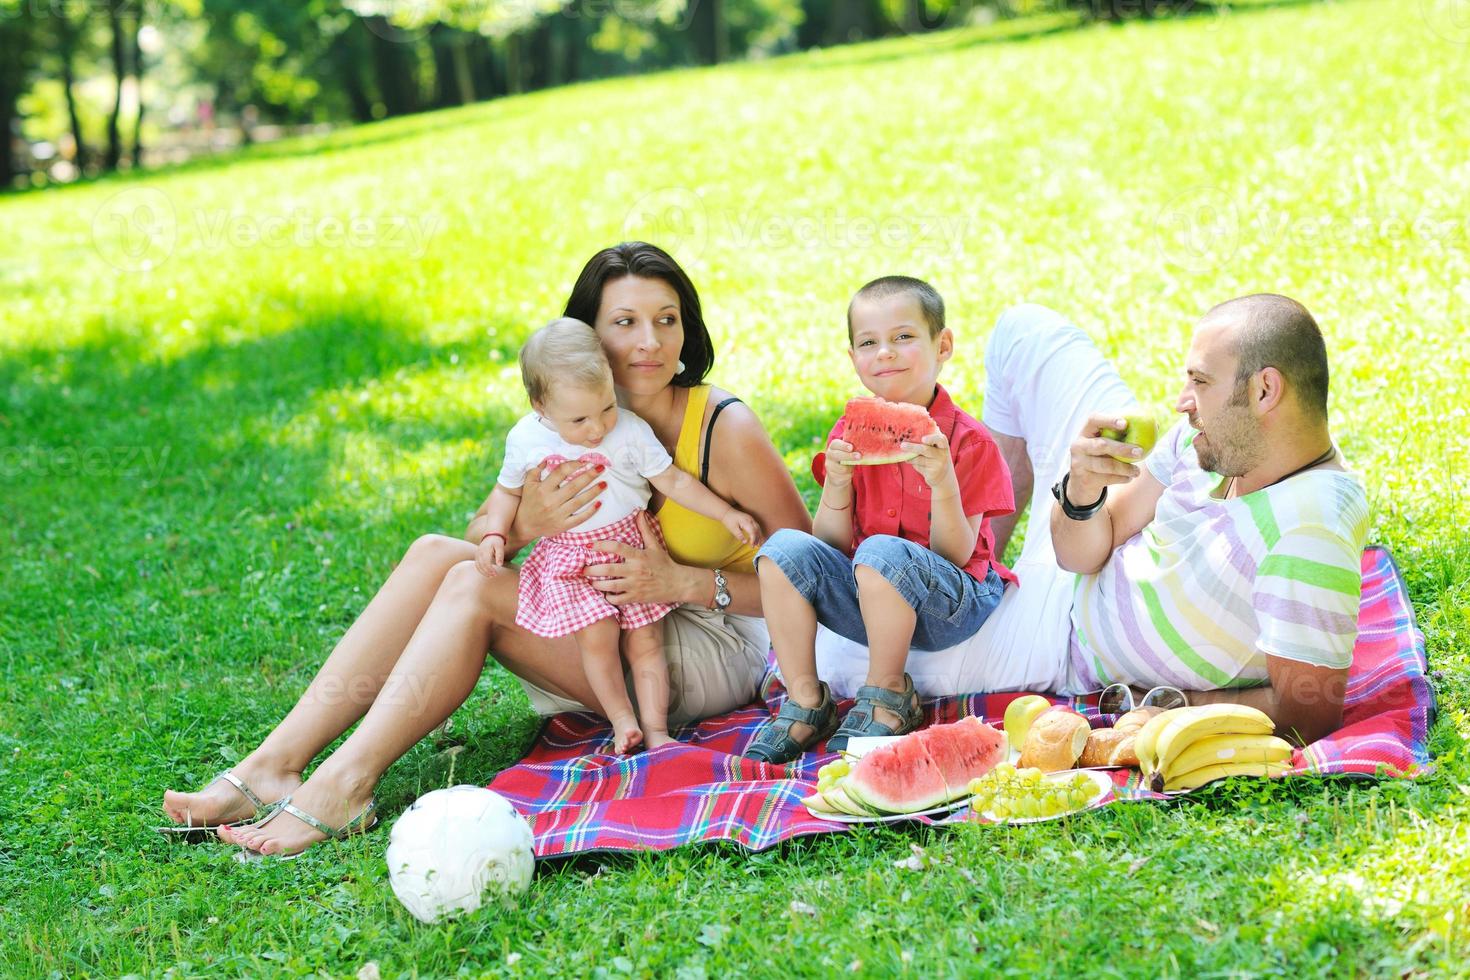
(1188,747)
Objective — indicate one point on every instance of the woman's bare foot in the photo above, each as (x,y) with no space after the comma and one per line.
(657,737)
(220,802)
(627,736)
(333,801)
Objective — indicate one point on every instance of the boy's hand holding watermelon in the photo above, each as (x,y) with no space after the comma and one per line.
(935,465)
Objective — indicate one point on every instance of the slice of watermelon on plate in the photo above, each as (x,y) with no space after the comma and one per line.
(877,429)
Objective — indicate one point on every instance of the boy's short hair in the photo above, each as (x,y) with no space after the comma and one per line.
(929,300)
(565,350)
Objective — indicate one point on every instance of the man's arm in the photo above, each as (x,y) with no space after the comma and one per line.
(1303,699)
(1133,495)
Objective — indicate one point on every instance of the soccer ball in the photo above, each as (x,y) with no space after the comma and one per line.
(455,846)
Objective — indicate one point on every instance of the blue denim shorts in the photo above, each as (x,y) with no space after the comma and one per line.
(951,604)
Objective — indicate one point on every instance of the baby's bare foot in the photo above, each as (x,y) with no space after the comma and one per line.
(657,737)
(220,802)
(627,736)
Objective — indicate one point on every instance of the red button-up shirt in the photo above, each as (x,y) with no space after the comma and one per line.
(894,499)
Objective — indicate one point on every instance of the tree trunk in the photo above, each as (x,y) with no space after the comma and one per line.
(515,81)
(119,74)
(393,62)
(138,87)
(68,37)
(464,78)
(8,96)
(347,55)
(709,31)
(440,43)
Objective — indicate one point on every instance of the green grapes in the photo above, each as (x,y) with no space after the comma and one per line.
(1005,793)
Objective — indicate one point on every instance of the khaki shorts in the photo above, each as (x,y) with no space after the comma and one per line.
(716,662)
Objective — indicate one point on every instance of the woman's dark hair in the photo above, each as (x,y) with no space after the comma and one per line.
(647,262)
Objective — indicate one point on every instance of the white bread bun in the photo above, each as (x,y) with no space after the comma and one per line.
(1136,719)
(1109,747)
(1055,741)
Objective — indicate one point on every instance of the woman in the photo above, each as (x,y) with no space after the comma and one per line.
(415,652)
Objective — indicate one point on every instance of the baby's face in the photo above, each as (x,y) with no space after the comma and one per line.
(581,416)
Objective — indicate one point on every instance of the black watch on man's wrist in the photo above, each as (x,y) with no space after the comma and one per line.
(1072,511)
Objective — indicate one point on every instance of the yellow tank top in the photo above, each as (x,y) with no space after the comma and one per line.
(694,539)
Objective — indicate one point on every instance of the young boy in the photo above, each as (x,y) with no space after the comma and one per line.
(901,555)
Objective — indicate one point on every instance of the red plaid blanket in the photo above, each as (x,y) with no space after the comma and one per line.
(582,798)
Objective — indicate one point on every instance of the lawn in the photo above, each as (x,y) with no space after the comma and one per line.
(234,393)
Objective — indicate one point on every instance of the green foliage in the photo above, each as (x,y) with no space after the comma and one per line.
(221,424)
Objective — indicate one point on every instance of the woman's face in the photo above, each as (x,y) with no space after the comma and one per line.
(640,328)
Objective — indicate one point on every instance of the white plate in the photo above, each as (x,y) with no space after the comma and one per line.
(949,807)
(1100,778)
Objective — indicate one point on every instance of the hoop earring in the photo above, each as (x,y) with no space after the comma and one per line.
(681,367)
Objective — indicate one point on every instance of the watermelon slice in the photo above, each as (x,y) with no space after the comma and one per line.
(964,750)
(925,769)
(877,428)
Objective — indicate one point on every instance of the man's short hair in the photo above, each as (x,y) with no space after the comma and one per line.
(931,304)
(1277,331)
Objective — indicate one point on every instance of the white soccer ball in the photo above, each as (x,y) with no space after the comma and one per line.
(453,847)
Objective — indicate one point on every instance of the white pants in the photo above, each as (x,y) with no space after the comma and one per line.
(1043,378)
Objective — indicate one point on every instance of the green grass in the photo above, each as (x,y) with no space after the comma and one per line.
(207,465)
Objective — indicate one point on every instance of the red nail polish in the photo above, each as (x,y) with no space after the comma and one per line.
(596,503)
(602,485)
(600,467)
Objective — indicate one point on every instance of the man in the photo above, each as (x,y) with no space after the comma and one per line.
(1226,563)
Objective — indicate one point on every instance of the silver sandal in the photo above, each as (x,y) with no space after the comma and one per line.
(360,824)
(191,833)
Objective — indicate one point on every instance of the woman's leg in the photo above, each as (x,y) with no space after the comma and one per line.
(437,671)
(342,690)
(644,649)
(603,665)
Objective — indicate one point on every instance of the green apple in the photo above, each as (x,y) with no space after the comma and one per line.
(1020,713)
(1141,431)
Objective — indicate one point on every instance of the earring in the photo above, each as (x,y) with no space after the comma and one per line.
(681,367)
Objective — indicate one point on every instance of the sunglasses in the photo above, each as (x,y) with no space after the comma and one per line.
(1117,699)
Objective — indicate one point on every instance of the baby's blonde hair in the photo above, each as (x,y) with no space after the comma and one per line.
(565,351)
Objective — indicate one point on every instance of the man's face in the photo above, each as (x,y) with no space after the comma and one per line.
(1229,435)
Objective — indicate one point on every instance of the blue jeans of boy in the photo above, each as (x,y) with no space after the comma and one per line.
(951,605)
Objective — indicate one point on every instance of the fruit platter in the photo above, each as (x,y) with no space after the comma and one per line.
(1045,763)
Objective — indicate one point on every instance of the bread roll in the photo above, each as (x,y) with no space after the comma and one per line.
(1109,747)
(1136,719)
(1055,741)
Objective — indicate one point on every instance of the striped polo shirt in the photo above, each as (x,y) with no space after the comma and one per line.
(1200,596)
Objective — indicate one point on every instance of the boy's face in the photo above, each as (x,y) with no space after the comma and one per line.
(581,416)
(892,350)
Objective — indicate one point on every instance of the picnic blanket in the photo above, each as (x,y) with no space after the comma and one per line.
(582,798)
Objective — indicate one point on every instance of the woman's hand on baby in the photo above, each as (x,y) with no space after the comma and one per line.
(840,458)
(742,526)
(645,574)
(490,557)
(933,462)
(550,505)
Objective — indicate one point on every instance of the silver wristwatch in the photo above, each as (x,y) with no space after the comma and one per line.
(722,592)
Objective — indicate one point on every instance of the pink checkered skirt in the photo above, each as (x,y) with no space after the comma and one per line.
(555,597)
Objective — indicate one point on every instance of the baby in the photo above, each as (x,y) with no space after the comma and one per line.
(576,416)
